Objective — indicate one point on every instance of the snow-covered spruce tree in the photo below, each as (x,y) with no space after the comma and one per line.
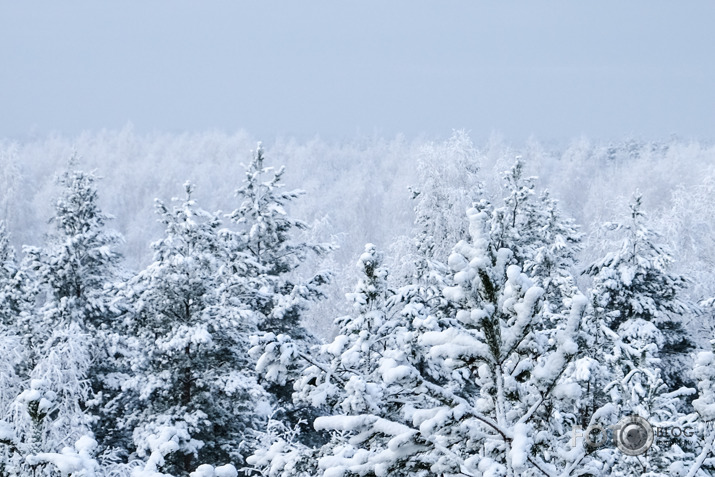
(191,379)
(42,391)
(621,375)
(543,240)
(13,296)
(14,307)
(265,253)
(74,267)
(633,285)
(633,298)
(48,414)
(554,258)
(352,359)
(643,392)
(518,222)
(66,278)
(80,256)
(11,348)
(268,233)
(18,329)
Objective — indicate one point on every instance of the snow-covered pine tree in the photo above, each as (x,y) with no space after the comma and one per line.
(192,378)
(518,222)
(265,255)
(268,233)
(49,413)
(543,240)
(74,267)
(80,256)
(620,374)
(637,388)
(12,296)
(634,300)
(66,277)
(634,284)
(354,354)
(17,326)
(11,347)
(554,257)
(503,344)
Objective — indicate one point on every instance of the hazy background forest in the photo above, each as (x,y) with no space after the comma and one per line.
(358,191)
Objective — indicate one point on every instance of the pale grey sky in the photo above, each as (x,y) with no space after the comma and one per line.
(553,69)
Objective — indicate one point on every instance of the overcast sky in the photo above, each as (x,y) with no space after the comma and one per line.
(555,70)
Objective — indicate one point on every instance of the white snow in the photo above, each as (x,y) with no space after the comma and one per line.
(7,433)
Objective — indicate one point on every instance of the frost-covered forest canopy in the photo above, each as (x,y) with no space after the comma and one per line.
(181,304)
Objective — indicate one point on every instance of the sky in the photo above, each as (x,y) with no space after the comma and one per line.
(336,69)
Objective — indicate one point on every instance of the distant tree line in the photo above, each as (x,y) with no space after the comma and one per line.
(482,354)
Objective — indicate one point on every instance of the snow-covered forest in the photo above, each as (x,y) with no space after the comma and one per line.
(203,305)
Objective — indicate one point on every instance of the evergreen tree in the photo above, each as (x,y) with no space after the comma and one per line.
(11,293)
(66,278)
(193,380)
(71,274)
(49,413)
(624,379)
(353,356)
(503,343)
(634,297)
(554,258)
(11,348)
(265,255)
(17,293)
(542,239)
(635,285)
(80,257)
(267,233)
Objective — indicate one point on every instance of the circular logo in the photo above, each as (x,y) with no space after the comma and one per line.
(633,435)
